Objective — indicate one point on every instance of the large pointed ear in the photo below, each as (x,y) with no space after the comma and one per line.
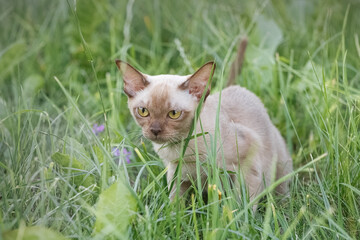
(196,84)
(134,80)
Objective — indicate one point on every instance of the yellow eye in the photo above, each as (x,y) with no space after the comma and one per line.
(173,114)
(143,111)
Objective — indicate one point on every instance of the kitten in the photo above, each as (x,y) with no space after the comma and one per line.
(164,106)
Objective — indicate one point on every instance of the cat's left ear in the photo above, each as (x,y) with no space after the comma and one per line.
(196,83)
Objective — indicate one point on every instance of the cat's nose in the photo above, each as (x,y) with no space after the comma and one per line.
(155,131)
(155,128)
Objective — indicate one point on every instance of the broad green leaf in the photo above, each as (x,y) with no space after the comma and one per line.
(32,85)
(64,160)
(78,160)
(260,53)
(77,150)
(269,34)
(80,176)
(33,233)
(114,210)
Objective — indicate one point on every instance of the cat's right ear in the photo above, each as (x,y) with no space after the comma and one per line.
(134,80)
(196,84)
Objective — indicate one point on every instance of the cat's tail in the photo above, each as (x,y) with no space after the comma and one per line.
(237,64)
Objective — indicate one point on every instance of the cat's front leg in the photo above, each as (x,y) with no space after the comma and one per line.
(254,186)
(184,185)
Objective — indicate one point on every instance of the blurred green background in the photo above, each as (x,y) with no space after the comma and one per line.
(302,60)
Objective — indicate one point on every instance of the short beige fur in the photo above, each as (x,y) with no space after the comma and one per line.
(249,141)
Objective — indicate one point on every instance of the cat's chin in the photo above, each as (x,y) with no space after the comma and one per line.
(158,139)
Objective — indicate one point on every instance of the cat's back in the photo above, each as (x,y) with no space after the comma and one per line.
(239,105)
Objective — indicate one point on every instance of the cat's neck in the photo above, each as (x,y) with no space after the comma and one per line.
(168,152)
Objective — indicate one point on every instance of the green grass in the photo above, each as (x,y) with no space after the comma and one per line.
(303,61)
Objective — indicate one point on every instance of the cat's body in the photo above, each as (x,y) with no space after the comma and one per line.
(244,125)
(248,141)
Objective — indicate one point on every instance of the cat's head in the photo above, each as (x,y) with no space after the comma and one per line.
(164,105)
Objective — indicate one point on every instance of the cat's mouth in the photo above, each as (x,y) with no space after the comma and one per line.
(160,139)
(157,139)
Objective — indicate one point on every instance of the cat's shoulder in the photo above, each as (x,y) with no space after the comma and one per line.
(237,90)
(237,95)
